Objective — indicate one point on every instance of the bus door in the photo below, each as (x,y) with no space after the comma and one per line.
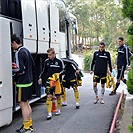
(6,95)
(54,27)
(43,26)
(29,25)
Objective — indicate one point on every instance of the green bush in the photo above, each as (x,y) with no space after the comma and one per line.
(130,42)
(130,127)
(130,30)
(87,60)
(130,78)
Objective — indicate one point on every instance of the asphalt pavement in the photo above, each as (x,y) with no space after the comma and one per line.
(90,118)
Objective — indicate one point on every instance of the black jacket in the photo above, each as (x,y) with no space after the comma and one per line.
(50,67)
(100,62)
(70,68)
(123,56)
(25,64)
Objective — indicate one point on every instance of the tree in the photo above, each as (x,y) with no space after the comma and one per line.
(99,20)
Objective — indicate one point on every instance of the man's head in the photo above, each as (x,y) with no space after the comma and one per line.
(120,41)
(51,53)
(101,46)
(15,42)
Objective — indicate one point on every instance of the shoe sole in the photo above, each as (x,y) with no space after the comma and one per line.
(96,101)
(111,94)
(77,107)
(31,130)
(102,102)
(57,114)
(63,105)
(25,132)
(49,118)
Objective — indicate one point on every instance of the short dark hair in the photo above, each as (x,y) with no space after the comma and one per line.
(16,39)
(121,38)
(102,43)
(51,50)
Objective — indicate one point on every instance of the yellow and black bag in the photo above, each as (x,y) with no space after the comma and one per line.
(108,81)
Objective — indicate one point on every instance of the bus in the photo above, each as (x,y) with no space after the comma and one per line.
(40,24)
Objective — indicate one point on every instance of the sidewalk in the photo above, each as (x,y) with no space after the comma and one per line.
(128,112)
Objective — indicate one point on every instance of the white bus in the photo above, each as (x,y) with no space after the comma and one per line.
(41,24)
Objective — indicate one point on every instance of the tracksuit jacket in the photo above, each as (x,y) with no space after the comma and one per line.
(123,56)
(25,64)
(100,62)
(50,67)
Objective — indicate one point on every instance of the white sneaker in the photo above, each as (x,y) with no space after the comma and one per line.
(77,105)
(49,116)
(57,112)
(64,103)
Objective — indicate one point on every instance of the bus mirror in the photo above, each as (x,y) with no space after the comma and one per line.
(75,27)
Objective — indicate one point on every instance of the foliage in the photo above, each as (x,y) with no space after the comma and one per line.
(131,127)
(87,60)
(127,9)
(130,78)
(130,29)
(113,56)
(130,42)
(99,20)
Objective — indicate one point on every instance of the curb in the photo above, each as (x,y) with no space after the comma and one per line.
(113,125)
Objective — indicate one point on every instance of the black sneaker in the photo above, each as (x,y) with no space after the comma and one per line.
(112,93)
(31,128)
(77,105)
(23,130)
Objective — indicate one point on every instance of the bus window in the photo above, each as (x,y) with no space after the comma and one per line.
(3,7)
(62,15)
(11,8)
(15,9)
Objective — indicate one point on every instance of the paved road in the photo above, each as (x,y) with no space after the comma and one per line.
(90,118)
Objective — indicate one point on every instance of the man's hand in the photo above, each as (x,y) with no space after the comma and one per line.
(128,68)
(77,71)
(91,72)
(109,73)
(40,81)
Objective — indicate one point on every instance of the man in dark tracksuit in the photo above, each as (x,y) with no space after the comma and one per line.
(70,80)
(23,70)
(122,62)
(52,65)
(101,60)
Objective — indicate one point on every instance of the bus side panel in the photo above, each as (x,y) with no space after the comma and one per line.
(6,100)
(54,27)
(43,27)
(29,24)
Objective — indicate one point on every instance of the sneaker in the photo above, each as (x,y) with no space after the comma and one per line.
(23,130)
(96,100)
(49,116)
(112,93)
(64,103)
(101,101)
(57,112)
(77,105)
(31,128)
